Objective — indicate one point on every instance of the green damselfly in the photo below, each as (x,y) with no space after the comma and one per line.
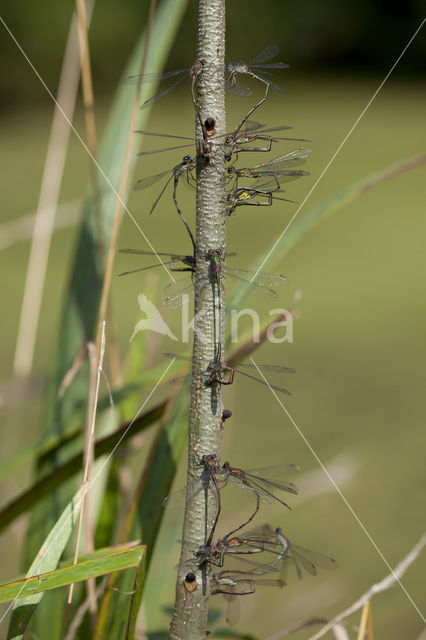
(261,284)
(279,169)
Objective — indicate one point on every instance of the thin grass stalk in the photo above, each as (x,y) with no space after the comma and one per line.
(366,624)
(387,582)
(106,285)
(89,110)
(47,204)
(86,514)
(81,612)
(89,446)
(205,431)
(91,136)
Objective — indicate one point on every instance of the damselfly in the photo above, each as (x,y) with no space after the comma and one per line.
(184,168)
(243,546)
(291,555)
(215,553)
(209,463)
(220,372)
(180,259)
(260,284)
(279,169)
(252,131)
(263,482)
(206,481)
(233,586)
(178,74)
(246,196)
(225,583)
(247,68)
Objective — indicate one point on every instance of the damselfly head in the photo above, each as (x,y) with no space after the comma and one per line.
(208,460)
(197,67)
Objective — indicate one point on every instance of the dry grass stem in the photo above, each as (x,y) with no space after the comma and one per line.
(88,460)
(383,585)
(89,111)
(366,624)
(47,204)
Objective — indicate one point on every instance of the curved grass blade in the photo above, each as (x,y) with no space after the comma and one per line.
(47,484)
(46,559)
(100,565)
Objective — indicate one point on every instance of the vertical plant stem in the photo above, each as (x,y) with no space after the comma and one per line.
(89,448)
(89,115)
(91,136)
(205,431)
(89,109)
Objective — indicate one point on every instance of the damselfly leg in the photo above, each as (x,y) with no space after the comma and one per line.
(176,173)
(220,372)
(235,68)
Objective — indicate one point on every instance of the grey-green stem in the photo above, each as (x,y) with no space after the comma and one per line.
(205,432)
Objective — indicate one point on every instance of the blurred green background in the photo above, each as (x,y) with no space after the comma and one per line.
(358,395)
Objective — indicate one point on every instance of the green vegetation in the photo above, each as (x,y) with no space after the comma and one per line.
(358,393)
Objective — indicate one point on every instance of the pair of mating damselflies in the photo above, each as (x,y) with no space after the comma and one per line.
(278,168)
(238,582)
(231,143)
(268,178)
(263,483)
(262,284)
(276,171)
(287,555)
